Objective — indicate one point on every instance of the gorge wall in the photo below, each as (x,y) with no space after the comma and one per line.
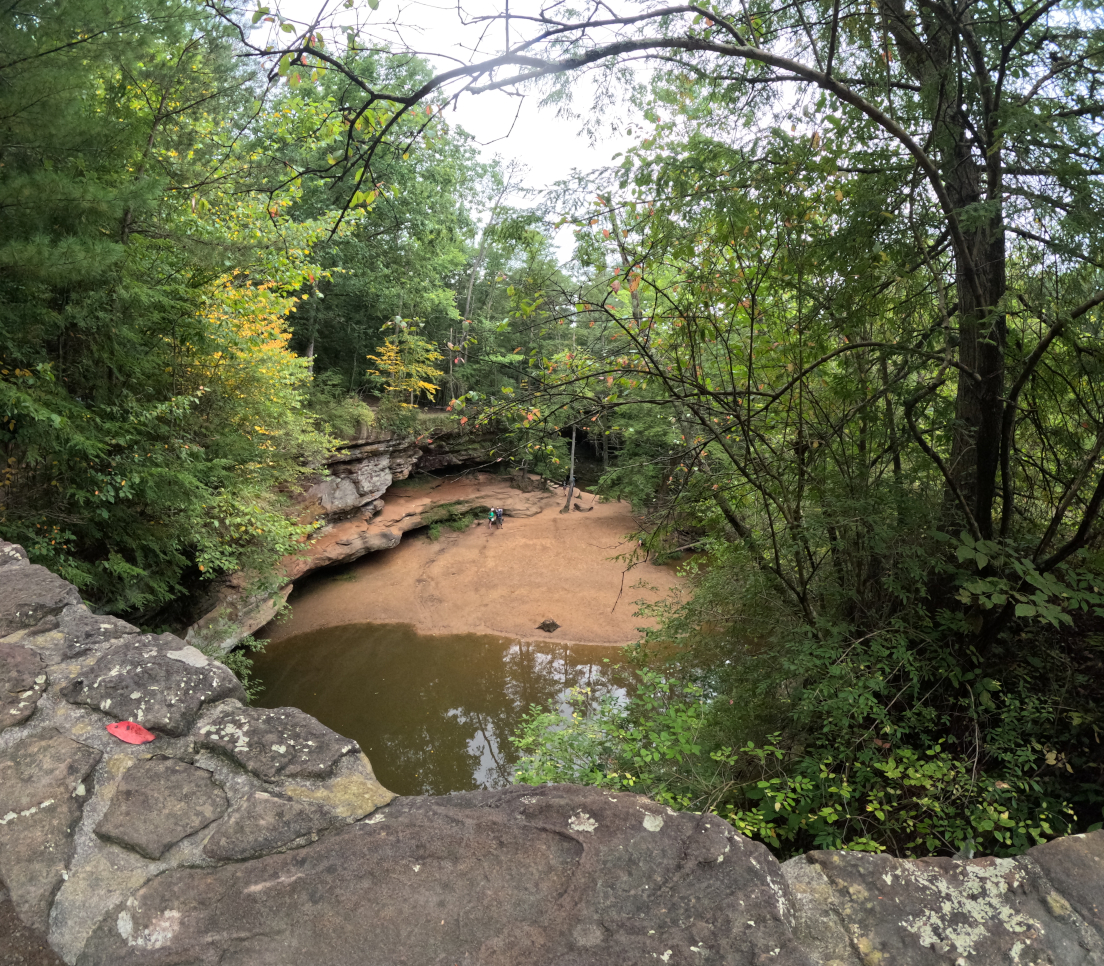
(249,837)
(345,503)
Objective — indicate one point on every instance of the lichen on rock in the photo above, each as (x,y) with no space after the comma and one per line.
(275,742)
(139,680)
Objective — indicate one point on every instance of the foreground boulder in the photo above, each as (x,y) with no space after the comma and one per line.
(43,788)
(158,803)
(158,681)
(549,875)
(249,837)
(86,820)
(278,742)
(942,910)
(22,681)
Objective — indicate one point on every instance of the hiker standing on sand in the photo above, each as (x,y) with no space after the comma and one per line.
(491,517)
(498,516)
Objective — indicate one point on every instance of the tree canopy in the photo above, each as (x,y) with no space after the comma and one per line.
(162,256)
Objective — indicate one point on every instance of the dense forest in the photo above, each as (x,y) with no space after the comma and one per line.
(193,279)
(833,323)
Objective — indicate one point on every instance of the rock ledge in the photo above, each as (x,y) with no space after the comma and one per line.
(249,837)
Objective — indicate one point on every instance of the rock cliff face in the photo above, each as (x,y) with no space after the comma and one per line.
(360,473)
(344,503)
(249,837)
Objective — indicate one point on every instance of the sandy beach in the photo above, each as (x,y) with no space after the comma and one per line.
(541,565)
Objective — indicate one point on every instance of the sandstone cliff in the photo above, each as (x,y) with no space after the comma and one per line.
(343,503)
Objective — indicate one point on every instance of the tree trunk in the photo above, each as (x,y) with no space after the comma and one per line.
(970,159)
(980,284)
(483,238)
(570,476)
(979,404)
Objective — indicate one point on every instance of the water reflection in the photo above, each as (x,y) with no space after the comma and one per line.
(432,713)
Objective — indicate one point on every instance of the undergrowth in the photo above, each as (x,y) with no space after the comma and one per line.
(911,737)
(455,516)
(240,661)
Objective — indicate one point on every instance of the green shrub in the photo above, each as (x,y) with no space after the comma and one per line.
(344,414)
(240,661)
(902,795)
(907,739)
(455,516)
(395,417)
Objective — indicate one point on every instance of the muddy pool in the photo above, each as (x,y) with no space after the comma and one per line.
(432,713)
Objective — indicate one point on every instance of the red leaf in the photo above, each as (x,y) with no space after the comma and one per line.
(130,732)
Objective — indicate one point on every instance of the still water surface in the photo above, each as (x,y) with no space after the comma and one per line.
(433,714)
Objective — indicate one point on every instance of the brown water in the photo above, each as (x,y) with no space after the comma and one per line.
(433,714)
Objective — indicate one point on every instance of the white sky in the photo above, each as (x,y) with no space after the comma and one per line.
(546,145)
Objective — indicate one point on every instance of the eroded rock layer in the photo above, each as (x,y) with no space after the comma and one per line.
(242,837)
(344,503)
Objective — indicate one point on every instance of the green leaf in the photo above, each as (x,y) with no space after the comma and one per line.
(374,4)
(1037,579)
(1025,610)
